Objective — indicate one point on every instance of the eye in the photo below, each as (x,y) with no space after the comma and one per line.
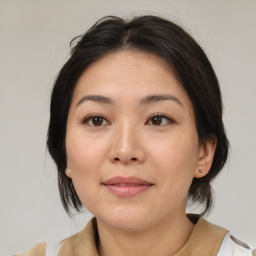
(159,120)
(95,120)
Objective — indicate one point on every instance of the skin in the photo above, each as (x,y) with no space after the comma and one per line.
(127,142)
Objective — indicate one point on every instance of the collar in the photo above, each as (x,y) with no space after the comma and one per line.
(205,239)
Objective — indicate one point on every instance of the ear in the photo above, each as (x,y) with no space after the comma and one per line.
(68,171)
(205,157)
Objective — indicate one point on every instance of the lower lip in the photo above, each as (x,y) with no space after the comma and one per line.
(127,191)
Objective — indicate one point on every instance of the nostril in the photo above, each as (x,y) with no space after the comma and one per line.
(134,159)
(117,159)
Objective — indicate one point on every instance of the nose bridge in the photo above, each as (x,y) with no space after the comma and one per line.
(126,145)
(125,136)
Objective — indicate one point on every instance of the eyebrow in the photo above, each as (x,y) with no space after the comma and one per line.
(95,98)
(160,97)
(147,100)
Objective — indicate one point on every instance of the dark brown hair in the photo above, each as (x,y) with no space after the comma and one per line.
(188,61)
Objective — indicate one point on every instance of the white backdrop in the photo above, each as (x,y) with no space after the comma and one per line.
(34,44)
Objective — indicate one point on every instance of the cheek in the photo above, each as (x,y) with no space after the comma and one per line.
(84,156)
(84,161)
(176,150)
(176,159)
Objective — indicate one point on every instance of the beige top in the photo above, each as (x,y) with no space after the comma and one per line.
(205,239)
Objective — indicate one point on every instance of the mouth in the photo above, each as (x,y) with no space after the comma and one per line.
(127,186)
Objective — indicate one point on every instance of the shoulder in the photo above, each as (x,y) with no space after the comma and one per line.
(77,244)
(231,246)
(37,250)
(215,240)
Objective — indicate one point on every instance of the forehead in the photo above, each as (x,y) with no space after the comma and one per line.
(128,73)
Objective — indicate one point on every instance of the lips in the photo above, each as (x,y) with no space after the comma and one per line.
(126,186)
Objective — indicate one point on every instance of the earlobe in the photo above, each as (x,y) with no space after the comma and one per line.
(205,158)
(68,173)
(68,170)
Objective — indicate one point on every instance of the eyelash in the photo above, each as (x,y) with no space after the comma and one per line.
(169,119)
(89,118)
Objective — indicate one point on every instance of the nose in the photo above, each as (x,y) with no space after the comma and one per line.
(126,146)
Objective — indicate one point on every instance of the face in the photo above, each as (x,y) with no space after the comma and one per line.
(131,141)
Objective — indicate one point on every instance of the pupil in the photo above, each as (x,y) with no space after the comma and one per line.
(97,121)
(157,120)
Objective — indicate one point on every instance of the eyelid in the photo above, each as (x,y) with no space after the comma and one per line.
(160,114)
(86,119)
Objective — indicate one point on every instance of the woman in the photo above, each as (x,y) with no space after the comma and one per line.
(136,132)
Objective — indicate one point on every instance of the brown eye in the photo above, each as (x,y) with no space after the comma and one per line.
(95,121)
(159,120)
(156,120)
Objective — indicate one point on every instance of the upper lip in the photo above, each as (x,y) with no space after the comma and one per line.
(126,180)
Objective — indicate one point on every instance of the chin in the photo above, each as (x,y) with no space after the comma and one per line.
(126,220)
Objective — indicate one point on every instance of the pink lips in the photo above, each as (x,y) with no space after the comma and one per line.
(126,186)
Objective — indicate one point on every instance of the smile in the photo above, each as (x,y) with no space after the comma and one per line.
(126,186)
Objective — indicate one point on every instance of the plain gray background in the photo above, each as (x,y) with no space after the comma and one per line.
(34,44)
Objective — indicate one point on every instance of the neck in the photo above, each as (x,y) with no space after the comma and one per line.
(163,239)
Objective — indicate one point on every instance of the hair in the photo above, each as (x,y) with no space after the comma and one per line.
(189,63)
